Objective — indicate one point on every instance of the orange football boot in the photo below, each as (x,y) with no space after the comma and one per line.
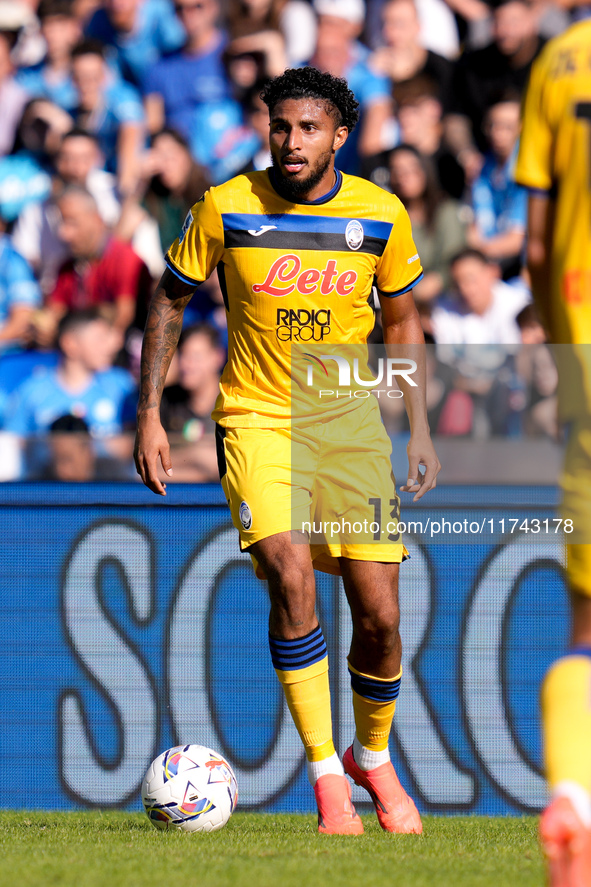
(336,813)
(396,811)
(567,845)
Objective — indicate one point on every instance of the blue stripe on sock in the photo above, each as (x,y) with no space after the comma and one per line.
(296,643)
(377,691)
(579,651)
(290,655)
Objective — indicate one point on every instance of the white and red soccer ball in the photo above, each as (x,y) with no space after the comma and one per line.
(189,787)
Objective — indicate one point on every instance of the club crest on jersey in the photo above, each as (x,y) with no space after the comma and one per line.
(286,276)
(354,234)
(245,515)
(186,225)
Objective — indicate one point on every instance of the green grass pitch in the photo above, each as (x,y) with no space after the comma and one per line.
(124,850)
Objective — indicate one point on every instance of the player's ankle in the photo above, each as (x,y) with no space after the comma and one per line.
(578,796)
(367,758)
(316,769)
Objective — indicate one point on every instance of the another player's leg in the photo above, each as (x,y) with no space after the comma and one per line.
(374,665)
(565,825)
(300,659)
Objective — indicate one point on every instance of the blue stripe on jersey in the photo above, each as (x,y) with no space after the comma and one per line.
(377,691)
(551,193)
(180,276)
(578,651)
(306,224)
(290,655)
(405,289)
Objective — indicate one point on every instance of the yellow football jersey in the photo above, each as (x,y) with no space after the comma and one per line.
(555,158)
(291,274)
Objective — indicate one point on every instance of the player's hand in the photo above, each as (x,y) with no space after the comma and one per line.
(421,451)
(151,444)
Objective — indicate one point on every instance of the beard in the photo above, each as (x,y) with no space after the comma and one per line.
(290,187)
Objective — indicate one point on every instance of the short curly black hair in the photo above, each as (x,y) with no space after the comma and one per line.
(309,83)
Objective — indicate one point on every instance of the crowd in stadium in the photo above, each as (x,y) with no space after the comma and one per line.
(117,116)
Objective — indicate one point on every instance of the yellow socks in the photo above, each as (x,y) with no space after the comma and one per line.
(302,668)
(566,716)
(374,703)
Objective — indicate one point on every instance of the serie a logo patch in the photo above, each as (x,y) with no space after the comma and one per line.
(245,515)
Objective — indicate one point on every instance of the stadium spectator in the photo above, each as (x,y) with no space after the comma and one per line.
(483,74)
(13,97)
(403,56)
(112,110)
(339,52)
(52,76)
(253,58)
(22,182)
(19,295)
(257,117)
(19,20)
(177,182)
(40,131)
(293,19)
(136,33)
(186,407)
(439,27)
(36,234)
(530,327)
(537,368)
(73,457)
(449,409)
(102,271)
(500,205)
(85,383)
(420,117)
(190,92)
(438,230)
(485,309)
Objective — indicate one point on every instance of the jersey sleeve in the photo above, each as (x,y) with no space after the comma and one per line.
(200,245)
(534,162)
(399,268)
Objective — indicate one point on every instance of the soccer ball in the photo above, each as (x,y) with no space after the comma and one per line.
(189,787)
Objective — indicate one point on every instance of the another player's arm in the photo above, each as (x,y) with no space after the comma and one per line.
(540,224)
(402,327)
(161,336)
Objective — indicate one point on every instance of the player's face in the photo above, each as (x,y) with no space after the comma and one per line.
(303,143)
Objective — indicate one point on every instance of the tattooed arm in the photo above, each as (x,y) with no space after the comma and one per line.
(161,336)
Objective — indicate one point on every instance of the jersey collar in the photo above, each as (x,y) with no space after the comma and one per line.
(319,200)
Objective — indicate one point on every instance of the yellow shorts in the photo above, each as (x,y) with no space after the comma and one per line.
(331,480)
(576,505)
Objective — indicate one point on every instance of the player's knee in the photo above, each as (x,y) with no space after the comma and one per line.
(292,594)
(379,629)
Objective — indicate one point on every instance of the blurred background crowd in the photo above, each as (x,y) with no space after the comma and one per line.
(118,114)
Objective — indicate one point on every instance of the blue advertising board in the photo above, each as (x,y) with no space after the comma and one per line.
(132,623)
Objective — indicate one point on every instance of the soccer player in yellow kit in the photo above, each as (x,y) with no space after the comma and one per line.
(555,164)
(298,248)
